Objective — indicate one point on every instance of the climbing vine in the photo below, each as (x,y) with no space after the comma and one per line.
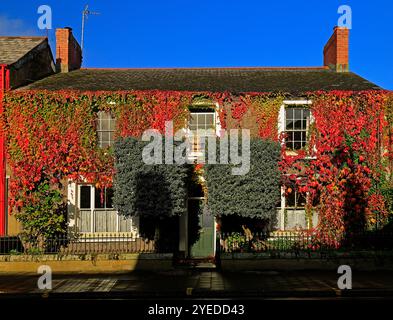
(344,165)
(345,169)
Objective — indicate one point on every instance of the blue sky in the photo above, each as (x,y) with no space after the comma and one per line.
(203,33)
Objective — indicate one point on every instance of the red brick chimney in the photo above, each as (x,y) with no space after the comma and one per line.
(68,51)
(335,52)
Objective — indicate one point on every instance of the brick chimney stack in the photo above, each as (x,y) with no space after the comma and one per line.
(68,51)
(336,50)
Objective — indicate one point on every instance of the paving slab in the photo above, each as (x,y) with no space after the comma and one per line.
(196,283)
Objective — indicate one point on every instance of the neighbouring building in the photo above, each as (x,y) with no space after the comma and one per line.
(23,60)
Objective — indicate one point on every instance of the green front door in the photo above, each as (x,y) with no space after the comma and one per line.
(203,244)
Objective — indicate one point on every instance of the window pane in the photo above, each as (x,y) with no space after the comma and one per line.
(201,132)
(99,136)
(99,198)
(298,125)
(111,223)
(290,199)
(201,121)
(85,221)
(297,145)
(112,125)
(105,137)
(210,132)
(306,118)
(289,113)
(297,135)
(210,120)
(109,197)
(193,120)
(298,113)
(125,224)
(105,115)
(289,125)
(301,200)
(111,137)
(289,140)
(289,136)
(105,124)
(85,197)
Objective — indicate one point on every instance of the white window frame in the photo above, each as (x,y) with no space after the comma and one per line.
(134,228)
(282,117)
(197,155)
(99,130)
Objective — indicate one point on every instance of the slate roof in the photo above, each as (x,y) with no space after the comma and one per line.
(14,48)
(289,80)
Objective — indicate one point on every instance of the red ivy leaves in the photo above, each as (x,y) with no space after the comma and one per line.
(51,136)
(345,162)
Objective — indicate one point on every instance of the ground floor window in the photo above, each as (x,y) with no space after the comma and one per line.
(96,212)
(292,197)
(295,199)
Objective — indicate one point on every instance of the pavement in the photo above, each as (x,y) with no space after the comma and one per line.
(197,284)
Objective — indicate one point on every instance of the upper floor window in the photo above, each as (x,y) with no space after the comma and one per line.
(105,128)
(297,122)
(202,124)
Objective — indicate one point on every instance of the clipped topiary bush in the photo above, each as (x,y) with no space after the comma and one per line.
(253,195)
(148,191)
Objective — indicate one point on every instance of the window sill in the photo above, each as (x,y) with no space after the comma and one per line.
(107,236)
(296,153)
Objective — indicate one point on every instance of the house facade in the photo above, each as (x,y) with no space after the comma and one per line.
(90,207)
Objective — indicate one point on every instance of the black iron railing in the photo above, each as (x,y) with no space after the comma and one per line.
(286,241)
(295,241)
(82,244)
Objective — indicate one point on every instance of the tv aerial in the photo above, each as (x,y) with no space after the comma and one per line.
(85,13)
